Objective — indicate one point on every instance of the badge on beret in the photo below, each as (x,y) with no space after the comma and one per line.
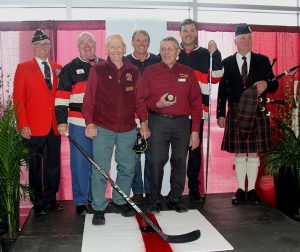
(38,36)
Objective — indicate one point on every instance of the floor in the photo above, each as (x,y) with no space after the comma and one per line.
(245,227)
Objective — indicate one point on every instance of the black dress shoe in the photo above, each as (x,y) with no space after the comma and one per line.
(55,206)
(155,208)
(253,198)
(137,197)
(196,197)
(98,218)
(125,210)
(239,197)
(81,210)
(177,206)
(39,210)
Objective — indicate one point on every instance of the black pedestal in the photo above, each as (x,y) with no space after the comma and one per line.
(287,193)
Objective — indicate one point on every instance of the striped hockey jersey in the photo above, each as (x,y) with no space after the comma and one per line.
(199,60)
(71,88)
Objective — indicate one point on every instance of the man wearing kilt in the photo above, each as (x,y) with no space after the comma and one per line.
(246,76)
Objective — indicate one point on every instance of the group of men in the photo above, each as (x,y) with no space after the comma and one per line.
(98,101)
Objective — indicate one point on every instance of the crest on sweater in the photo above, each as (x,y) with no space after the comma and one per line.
(182,77)
(129,77)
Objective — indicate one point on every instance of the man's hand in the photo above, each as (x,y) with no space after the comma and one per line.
(163,103)
(194,140)
(212,46)
(261,86)
(62,129)
(91,130)
(221,122)
(145,131)
(25,132)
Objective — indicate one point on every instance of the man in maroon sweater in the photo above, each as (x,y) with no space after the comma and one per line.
(108,109)
(170,93)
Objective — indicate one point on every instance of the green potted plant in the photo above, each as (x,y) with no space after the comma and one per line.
(13,154)
(283,161)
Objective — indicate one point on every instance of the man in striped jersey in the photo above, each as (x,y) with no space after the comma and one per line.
(68,103)
(198,58)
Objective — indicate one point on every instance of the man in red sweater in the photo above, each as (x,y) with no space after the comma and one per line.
(108,109)
(170,93)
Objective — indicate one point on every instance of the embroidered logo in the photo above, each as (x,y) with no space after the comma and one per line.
(182,77)
(79,71)
(129,77)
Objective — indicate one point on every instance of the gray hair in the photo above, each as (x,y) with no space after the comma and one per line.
(172,39)
(145,33)
(85,33)
(110,37)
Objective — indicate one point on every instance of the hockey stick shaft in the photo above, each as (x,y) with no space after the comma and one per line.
(208,123)
(194,235)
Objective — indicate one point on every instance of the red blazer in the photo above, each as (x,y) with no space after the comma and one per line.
(33,100)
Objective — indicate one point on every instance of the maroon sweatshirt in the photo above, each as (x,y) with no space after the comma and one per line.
(109,100)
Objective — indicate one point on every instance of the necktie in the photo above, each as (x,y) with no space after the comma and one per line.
(244,72)
(47,74)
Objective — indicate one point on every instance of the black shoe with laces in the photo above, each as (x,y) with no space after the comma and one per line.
(239,197)
(196,197)
(253,198)
(125,209)
(82,210)
(98,218)
(39,210)
(155,208)
(54,205)
(177,206)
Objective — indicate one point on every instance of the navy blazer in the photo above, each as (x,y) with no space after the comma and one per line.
(231,86)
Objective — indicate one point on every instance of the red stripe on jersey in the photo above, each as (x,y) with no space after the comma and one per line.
(62,94)
(205,108)
(202,77)
(79,88)
(153,242)
(75,114)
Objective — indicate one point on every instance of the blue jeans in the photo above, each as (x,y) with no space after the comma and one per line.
(138,185)
(103,145)
(80,166)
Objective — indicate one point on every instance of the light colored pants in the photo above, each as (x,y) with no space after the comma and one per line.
(103,146)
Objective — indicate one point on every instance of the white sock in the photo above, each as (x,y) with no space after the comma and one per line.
(252,171)
(240,171)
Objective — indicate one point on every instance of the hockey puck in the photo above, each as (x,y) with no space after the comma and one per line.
(170,98)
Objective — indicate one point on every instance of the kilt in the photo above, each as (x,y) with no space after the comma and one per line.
(259,140)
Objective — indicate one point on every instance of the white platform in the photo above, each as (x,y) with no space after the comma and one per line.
(123,234)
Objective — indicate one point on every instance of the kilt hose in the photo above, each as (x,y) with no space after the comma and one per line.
(258,140)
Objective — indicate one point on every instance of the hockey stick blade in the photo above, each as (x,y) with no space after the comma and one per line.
(188,237)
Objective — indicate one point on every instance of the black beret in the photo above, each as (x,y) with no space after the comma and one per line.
(242,29)
(39,35)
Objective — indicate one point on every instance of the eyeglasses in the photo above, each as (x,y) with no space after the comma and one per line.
(84,43)
(168,49)
(40,45)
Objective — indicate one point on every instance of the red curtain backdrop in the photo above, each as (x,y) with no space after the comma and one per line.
(280,42)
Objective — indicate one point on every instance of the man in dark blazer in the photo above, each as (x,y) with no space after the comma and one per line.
(35,85)
(247,75)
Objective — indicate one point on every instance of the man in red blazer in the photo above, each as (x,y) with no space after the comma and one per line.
(35,85)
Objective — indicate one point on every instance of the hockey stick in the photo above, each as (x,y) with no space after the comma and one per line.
(188,237)
(208,121)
